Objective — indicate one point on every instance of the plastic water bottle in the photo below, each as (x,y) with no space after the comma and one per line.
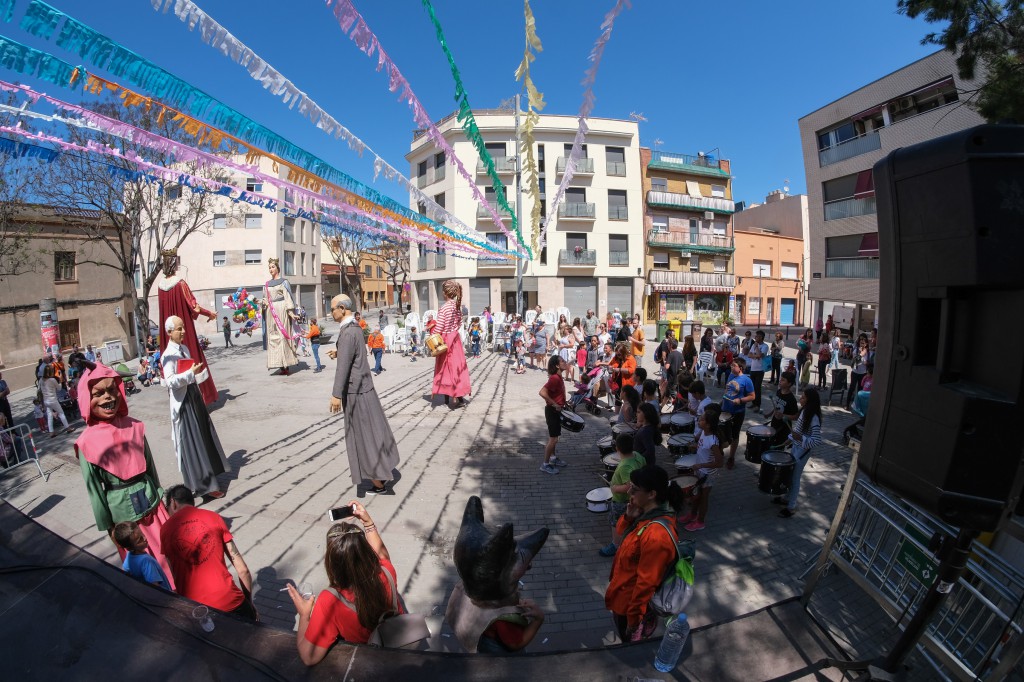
(672,644)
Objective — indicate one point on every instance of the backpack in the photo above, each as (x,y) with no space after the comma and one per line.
(394,630)
(676,588)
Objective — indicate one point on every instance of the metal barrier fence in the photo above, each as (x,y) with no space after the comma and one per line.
(17,447)
(881,543)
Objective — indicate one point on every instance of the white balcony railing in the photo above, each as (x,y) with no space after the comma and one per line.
(687,202)
(863,144)
(669,280)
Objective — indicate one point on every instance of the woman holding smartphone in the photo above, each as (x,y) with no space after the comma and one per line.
(363,587)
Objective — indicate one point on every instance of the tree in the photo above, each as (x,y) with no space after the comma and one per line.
(148,216)
(347,251)
(20,176)
(987,31)
(396,267)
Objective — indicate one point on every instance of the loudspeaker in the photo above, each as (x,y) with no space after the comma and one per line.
(945,424)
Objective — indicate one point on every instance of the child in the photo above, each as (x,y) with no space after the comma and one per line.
(553,393)
(650,393)
(709,460)
(519,344)
(474,335)
(414,343)
(629,461)
(37,412)
(137,563)
(581,359)
(699,400)
(648,430)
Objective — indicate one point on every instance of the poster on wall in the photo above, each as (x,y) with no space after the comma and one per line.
(50,331)
(662,306)
(709,308)
(732,307)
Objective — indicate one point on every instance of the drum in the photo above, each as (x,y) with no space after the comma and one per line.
(666,411)
(611,462)
(435,345)
(680,443)
(599,500)
(686,464)
(776,472)
(725,428)
(621,428)
(571,421)
(680,422)
(687,483)
(758,439)
(606,445)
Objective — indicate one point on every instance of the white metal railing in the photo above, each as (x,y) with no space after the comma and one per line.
(23,449)
(674,200)
(850,207)
(670,238)
(669,278)
(868,142)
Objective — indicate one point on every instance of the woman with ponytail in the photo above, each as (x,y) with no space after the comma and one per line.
(451,374)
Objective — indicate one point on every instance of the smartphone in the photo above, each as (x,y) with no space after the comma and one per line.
(339,513)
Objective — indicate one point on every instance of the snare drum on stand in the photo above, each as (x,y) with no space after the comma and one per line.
(621,428)
(776,472)
(606,445)
(758,440)
(686,464)
(680,422)
(611,462)
(680,443)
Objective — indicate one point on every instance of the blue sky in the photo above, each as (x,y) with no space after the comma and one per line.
(733,76)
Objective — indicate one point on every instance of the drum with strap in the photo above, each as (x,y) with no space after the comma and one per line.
(776,472)
(606,445)
(599,500)
(571,421)
(680,443)
(435,345)
(687,483)
(621,428)
(681,422)
(759,438)
(686,464)
(611,462)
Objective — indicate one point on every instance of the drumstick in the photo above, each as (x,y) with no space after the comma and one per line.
(606,481)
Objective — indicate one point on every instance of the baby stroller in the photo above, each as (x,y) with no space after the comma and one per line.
(586,388)
(127,378)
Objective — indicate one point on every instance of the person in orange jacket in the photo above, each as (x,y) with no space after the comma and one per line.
(376,343)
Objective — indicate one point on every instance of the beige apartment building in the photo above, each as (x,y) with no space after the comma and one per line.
(235,246)
(71,287)
(688,223)
(595,252)
(770,261)
(841,143)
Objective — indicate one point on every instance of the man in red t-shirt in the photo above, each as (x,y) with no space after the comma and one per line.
(553,394)
(195,542)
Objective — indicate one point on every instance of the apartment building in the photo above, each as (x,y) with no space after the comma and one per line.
(688,209)
(841,143)
(595,253)
(71,291)
(770,258)
(235,248)
(372,269)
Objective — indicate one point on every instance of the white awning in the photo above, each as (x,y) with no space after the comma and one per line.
(693,188)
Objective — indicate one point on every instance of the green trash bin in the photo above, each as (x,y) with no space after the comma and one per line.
(677,327)
(662,329)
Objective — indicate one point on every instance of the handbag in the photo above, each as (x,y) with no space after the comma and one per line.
(676,588)
(394,630)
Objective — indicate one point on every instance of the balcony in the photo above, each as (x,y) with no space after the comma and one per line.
(848,208)
(674,281)
(696,242)
(421,264)
(868,142)
(584,166)
(701,165)
(439,172)
(491,262)
(616,168)
(576,211)
(618,212)
(505,165)
(584,258)
(853,268)
(618,258)
(482,212)
(422,181)
(440,260)
(430,261)
(685,202)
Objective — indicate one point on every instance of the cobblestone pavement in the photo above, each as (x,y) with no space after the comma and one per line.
(289,466)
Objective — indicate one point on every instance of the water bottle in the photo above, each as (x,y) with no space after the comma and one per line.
(672,644)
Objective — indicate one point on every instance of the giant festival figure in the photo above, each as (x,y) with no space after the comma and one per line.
(176,300)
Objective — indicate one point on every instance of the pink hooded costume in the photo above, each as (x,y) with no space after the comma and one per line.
(117,465)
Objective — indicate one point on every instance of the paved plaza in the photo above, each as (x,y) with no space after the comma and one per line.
(289,466)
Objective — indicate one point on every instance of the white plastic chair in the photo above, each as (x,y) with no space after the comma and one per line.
(563,311)
(412,320)
(549,318)
(529,317)
(389,336)
(401,342)
(705,364)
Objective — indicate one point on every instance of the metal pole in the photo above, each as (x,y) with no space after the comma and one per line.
(760,298)
(519,213)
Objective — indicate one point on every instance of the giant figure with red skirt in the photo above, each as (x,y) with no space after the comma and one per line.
(176,300)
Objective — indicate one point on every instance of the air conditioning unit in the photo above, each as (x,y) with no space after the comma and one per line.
(906,103)
(709,215)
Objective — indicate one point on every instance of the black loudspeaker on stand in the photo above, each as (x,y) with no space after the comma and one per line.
(945,426)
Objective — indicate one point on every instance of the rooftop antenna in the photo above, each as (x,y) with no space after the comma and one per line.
(638,116)
(657,143)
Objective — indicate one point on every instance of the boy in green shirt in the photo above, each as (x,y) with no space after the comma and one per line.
(629,461)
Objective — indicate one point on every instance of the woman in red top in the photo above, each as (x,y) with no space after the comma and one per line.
(355,561)
(451,374)
(645,551)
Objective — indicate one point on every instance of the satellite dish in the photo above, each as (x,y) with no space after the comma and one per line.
(785,188)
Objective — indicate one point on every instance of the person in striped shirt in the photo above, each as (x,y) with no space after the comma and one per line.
(805,436)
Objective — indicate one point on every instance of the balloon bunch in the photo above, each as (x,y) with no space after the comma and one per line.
(245,305)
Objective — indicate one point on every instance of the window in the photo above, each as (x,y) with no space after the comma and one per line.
(498,240)
(439,160)
(302,260)
(659,223)
(289,196)
(615,160)
(289,230)
(575,239)
(617,209)
(172,192)
(575,195)
(253,256)
(253,221)
(568,150)
(762,268)
(220,221)
(694,263)
(63,266)
(380,272)
(618,249)
(718,191)
(137,276)
(659,184)
(754,305)
(68,333)
(253,185)
(220,259)
(718,228)
(368,270)
(439,199)
(544,256)
(302,231)
(789,271)
(675,303)
(289,263)
(721,265)
(839,188)
(421,169)
(660,260)
(838,135)
(312,265)
(495,149)
(315,233)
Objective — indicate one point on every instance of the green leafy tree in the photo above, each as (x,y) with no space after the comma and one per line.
(981,31)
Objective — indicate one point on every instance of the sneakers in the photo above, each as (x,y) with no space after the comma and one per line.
(548,468)
(377,490)
(608,550)
(694,526)
(558,462)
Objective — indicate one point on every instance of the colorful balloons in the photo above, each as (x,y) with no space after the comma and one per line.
(245,305)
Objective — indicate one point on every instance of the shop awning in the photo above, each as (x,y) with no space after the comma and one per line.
(675,282)
(865,185)
(869,245)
